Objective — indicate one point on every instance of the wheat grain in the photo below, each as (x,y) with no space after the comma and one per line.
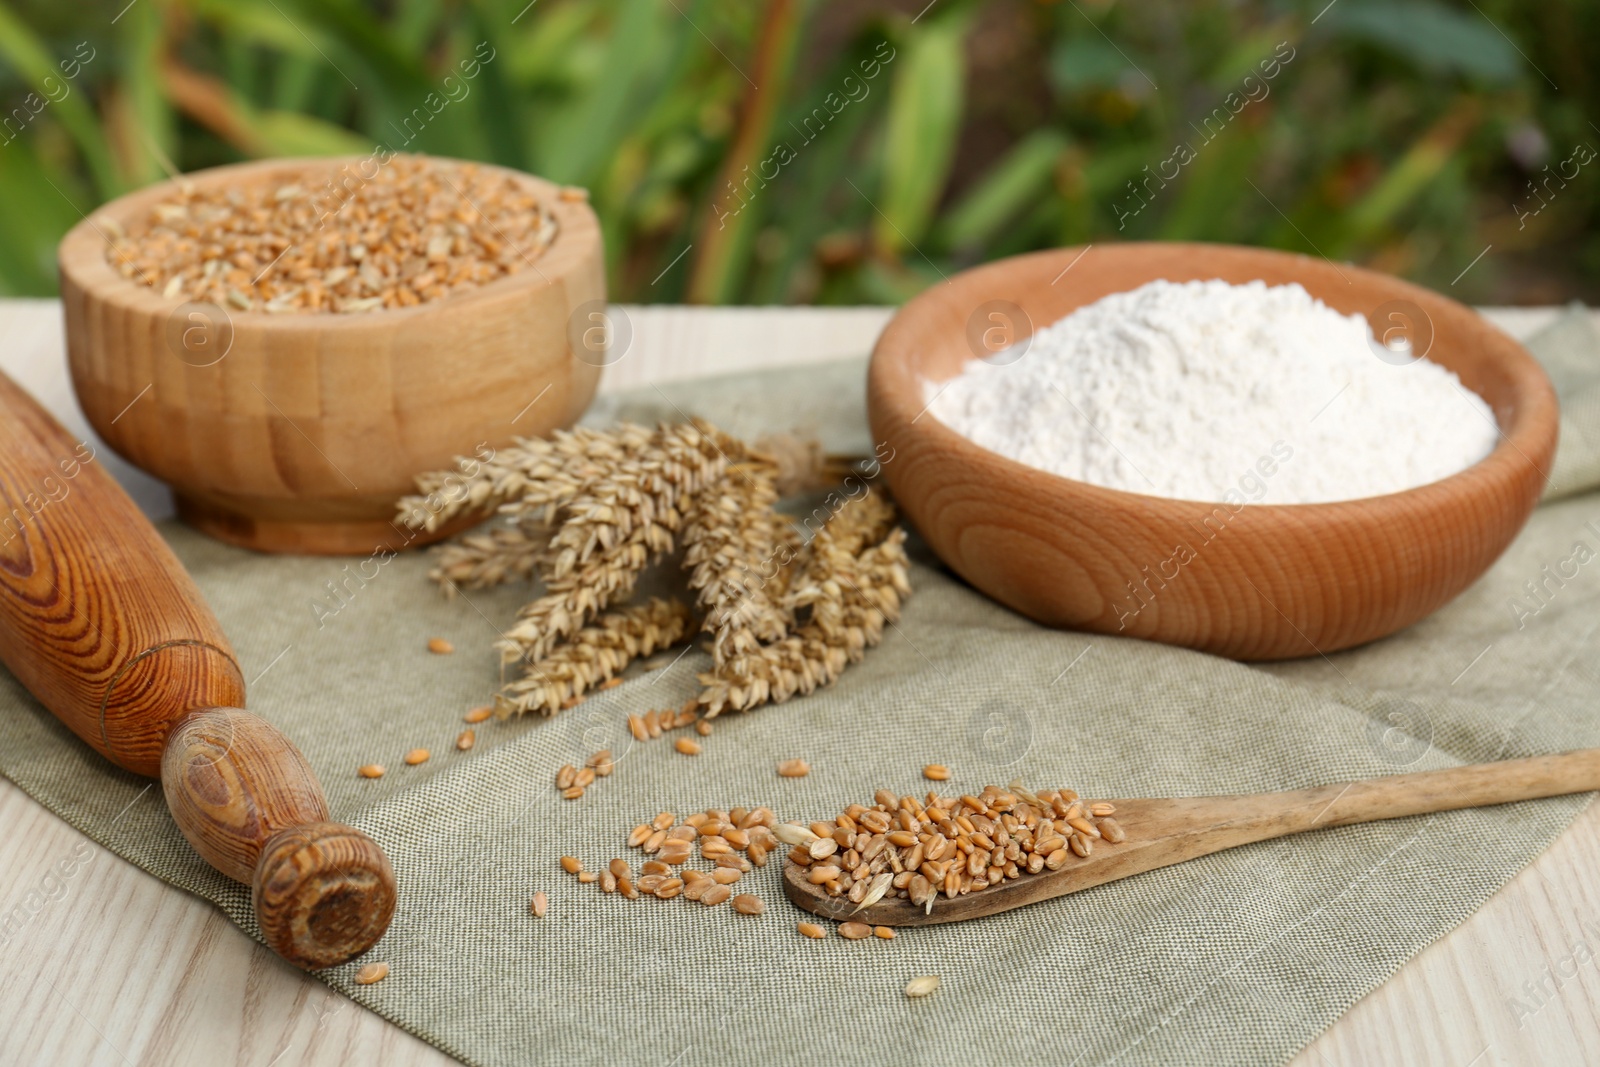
(333,239)
(372,972)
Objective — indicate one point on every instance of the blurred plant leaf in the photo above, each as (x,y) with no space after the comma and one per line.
(574,141)
(924,121)
(1406,180)
(266,25)
(1435,37)
(43,72)
(750,165)
(1087,61)
(214,105)
(1019,179)
(40,207)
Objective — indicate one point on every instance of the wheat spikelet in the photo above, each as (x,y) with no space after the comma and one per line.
(531,476)
(734,551)
(594,654)
(480,560)
(610,532)
(851,581)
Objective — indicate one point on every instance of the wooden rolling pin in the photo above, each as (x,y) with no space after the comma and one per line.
(101,623)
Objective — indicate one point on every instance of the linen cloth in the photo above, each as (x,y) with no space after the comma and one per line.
(1236,958)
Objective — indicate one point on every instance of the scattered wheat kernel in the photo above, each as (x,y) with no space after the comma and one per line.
(584,778)
(746,904)
(603,756)
(725,875)
(637,729)
(669,889)
(539,904)
(936,772)
(703,727)
(1102,808)
(618,867)
(416,756)
(885,932)
(587,876)
(855,931)
(654,842)
(757,853)
(370,770)
(716,895)
(922,985)
(640,835)
(608,882)
(687,746)
(572,794)
(654,867)
(793,768)
(372,972)
(571,864)
(440,647)
(477,715)
(610,683)
(466,740)
(812,930)
(566,776)
(604,768)
(663,821)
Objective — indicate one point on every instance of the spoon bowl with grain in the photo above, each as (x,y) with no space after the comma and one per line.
(909,862)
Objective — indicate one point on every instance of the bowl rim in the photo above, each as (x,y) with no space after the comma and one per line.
(1536,403)
(82,260)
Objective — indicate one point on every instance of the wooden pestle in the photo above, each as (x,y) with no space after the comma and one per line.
(101,623)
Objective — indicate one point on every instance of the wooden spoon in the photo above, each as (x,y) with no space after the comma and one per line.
(1162,832)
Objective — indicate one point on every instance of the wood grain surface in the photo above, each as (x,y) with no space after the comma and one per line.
(298,432)
(1163,832)
(82,983)
(1286,581)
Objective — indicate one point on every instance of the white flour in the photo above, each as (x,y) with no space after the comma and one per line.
(1210,391)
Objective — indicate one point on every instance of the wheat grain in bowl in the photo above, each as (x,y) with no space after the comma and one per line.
(383,232)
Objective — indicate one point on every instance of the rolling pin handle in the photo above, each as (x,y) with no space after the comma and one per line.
(246,799)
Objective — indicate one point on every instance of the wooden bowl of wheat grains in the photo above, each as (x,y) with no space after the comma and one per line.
(305,433)
(1277,581)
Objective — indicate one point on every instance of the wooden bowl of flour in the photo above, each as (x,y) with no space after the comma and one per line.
(1247,581)
(299,432)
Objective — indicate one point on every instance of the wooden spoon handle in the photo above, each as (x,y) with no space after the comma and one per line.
(99,620)
(1472,786)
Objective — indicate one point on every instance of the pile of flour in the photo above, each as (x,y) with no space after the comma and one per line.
(1211,391)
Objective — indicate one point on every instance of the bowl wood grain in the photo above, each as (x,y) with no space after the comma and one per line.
(1251,582)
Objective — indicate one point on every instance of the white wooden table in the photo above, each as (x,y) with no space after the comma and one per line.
(124,969)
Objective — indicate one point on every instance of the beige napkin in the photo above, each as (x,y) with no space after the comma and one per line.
(1240,957)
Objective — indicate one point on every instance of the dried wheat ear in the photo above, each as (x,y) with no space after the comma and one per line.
(586,511)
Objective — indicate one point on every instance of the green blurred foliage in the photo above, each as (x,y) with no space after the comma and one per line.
(794,151)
